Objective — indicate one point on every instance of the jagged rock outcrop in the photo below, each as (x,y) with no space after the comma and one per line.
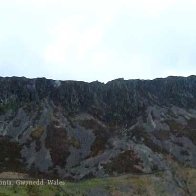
(76,130)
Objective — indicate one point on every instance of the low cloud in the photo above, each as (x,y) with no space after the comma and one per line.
(86,40)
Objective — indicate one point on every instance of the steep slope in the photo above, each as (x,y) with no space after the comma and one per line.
(77,130)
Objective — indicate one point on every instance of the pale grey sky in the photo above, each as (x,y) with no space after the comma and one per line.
(97,40)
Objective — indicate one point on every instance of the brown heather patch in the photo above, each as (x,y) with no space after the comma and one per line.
(174,126)
(142,136)
(37,132)
(10,157)
(126,162)
(154,147)
(192,123)
(162,135)
(98,146)
(101,134)
(188,131)
(59,143)
(74,142)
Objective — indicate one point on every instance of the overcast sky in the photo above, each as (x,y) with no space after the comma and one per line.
(97,40)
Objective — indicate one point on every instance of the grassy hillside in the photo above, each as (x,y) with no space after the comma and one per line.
(181,181)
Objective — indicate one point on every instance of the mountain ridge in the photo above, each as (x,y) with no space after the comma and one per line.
(75,95)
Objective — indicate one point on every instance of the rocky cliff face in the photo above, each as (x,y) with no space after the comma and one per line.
(76,130)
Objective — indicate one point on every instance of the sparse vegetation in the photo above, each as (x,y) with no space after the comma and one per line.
(10,157)
(126,162)
(101,134)
(58,144)
(188,130)
(141,185)
(75,143)
(37,132)
(4,107)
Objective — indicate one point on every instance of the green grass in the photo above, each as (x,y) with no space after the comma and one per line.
(151,185)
